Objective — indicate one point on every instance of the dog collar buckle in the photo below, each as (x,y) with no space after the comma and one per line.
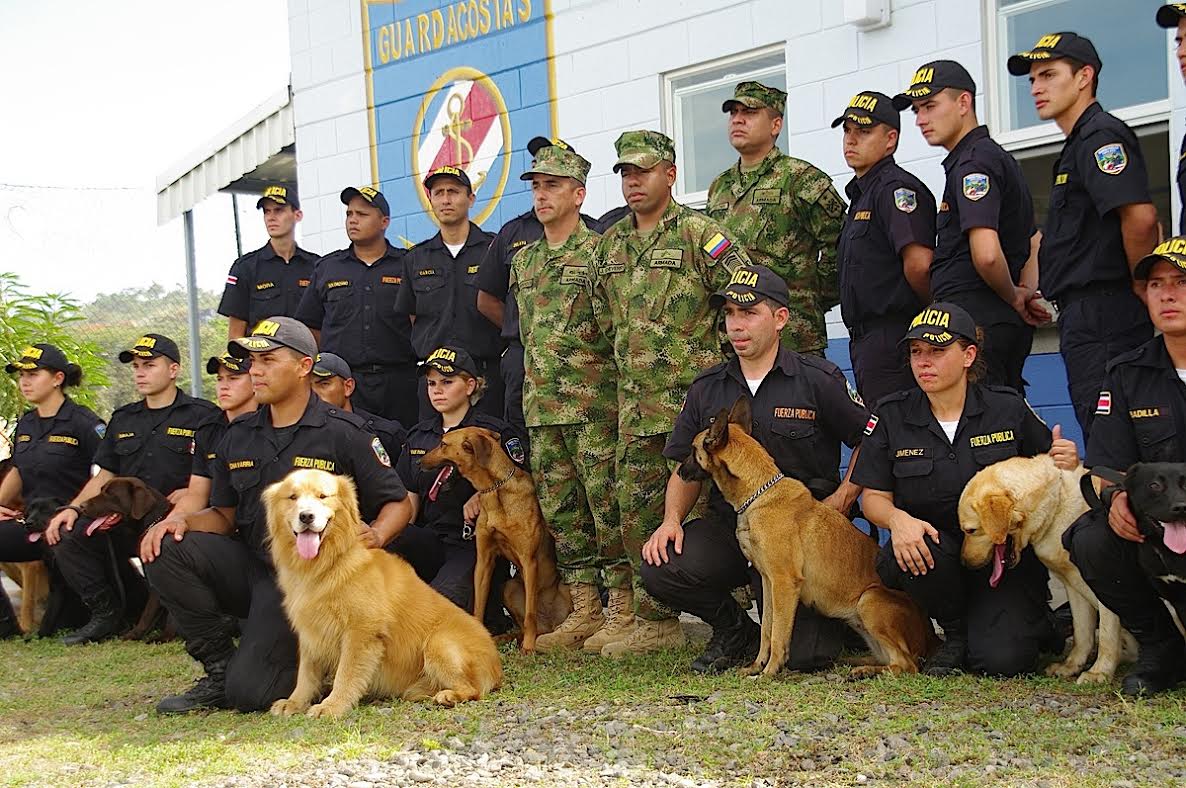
(778,477)
(510,476)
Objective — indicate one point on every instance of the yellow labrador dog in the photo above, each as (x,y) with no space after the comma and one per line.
(1029,501)
(362,616)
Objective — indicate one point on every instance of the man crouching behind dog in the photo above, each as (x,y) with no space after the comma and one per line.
(802,409)
(216,569)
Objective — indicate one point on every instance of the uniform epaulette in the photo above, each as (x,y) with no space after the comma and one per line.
(1136,354)
(129,407)
(712,371)
(819,363)
(897,396)
(350,418)
(1003,390)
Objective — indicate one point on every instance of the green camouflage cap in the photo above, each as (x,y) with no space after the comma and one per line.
(643,149)
(755,95)
(554,160)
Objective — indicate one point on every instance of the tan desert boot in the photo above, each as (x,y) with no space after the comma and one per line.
(646,637)
(583,621)
(619,622)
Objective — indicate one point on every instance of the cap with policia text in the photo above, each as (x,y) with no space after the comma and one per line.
(538,143)
(326,365)
(448,171)
(940,324)
(373,196)
(237,366)
(749,284)
(643,149)
(932,78)
(1053,46)
(554,160)
(281,195)
(150,346)
(40,356)
(1172,250)
(272,333)
(1170,14)
(756,95)
(449,360)
(870,107)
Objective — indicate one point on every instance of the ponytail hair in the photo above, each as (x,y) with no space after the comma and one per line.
(979,368)
(479,389)
(73,374)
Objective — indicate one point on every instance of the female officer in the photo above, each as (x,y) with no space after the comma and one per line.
(441,543)
(922,447)
(55,443)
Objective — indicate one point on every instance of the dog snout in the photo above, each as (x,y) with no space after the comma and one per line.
(306,518)
(690,470)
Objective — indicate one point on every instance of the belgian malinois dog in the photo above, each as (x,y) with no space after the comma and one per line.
(805,551)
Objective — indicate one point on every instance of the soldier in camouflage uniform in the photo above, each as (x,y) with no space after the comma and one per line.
(653,277)
(784,211)
(570,404)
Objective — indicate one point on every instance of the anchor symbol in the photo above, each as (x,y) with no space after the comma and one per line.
(453,130)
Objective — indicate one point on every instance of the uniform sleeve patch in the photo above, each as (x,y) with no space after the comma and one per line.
(871,425)
(976,185)
(101,430)
(717,246)
(380,452)
(1104,406)
(1111,159)
(514,449)
(853,395)
(905,200)
(232,280)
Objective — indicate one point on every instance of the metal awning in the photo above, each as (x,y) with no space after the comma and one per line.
(257,150)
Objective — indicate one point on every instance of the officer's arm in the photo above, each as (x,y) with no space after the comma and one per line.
(212,520)
(195,498)
(10,488)
(679,499)
(989,260)
(236,327)
(916,267)
(490,307)
(93,487)
(1139,230)
(394,518)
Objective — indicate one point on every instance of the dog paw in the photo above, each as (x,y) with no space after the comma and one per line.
(752,670)
(325,709)
(447,698)
(867,671)
(1063,670)
(286,707)
(1090,677)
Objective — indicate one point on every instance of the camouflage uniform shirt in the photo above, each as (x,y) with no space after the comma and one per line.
(650,295)
(570,377)
(788,216)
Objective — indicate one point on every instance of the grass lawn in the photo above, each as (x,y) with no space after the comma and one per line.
(81,716)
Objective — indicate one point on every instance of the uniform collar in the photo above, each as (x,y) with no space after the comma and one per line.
(467,420)
(978,133)
(788,362)
(438,241)
(918,407)
(1155,355)
(65,412)
(574,240)
(389,253)
(765,164)
(267,252)
(315,415)
(858,186)
(670,216)
(1092,110)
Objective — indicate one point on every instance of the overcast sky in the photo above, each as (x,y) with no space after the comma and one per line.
(99,99)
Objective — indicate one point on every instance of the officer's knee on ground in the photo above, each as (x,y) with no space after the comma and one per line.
(1004,657)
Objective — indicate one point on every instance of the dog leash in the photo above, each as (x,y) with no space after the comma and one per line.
(1094,500)
(760,491)
(510,476)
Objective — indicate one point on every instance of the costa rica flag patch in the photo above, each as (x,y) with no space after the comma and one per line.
(871,425)
(1104,406)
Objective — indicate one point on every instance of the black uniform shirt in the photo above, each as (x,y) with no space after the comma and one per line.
(889,209)
(206,446)
(253,455)
(802,411)
(1100,169)
(1141,413)
(907,453)
(445,513)
(261,284)
(156,445)
(353,305)
(54,455)
(390,432)
(443,295)
(984,188)
(1182,186)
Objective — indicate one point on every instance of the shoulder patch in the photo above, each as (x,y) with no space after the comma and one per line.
(1104,406)
(1111,159)
(717,246)
(514,449)
(976,185)
(871,425)
(905,200)
(380,452)
(101,430)
(852,394)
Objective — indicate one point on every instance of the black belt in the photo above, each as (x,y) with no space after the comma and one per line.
(1074,294)
(901,320)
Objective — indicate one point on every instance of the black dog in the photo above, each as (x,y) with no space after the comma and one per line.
(1157,497)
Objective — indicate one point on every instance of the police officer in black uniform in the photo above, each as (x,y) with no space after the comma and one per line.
(214,572)
(441,292)
(921,448)
(53,448)
(1101,219)
(802,409)
(494,297)
(1173,17)
(334,383)
(1140,416)
(151,439)
(351,309)
(986,242)
(885,247)
(272,279)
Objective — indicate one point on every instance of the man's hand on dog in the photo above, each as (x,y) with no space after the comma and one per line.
(654,552)
(176,496)
(150,544)
(908,536)
(63,519)
(1064,451)
(1121,518)
(370,538)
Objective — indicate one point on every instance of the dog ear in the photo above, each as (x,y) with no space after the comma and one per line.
(120,491)
(718,433)
(742,414)
(483,448)
(999,515)
(142,501)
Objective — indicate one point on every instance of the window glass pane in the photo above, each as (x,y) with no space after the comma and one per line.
(1132,47)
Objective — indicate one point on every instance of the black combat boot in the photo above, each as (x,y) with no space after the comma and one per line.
(952,655)
(734,643)
(106,621)
(208,692)
(9,628)
(1161,661)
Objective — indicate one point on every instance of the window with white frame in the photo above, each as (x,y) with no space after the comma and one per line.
(693,118)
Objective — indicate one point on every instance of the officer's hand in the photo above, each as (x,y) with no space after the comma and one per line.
(654,552)
(1121,518)
(150,544)
(369,538)
(1035,309)
(11,514)
(908,536)
(176,496)
(472,508)
(63,519)
(1021,299)
(1063,450)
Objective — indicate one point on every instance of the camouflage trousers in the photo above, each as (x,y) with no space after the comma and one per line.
(573,466)
(642,472)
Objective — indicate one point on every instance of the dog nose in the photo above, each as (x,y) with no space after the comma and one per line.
(306,518)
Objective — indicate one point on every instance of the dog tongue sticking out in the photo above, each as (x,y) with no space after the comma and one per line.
(103,523)
(308,543)
(998,566)
(442,477)
(1175,536)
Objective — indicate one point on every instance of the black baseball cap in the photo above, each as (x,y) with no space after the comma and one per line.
(1053,46)
(239,366)
(371,195)
(930,78)
(448,171)
(40,356)
(749,284)
(150,346)
(1172,250)
(326,365)
(274,332)
(281,195)
(537,143)
(1170,13)
(449,360)
(869,107)
(940,324)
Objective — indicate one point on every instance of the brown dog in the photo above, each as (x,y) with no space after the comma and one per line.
(32,576)
(806,553)
(362,616)
(510,524)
